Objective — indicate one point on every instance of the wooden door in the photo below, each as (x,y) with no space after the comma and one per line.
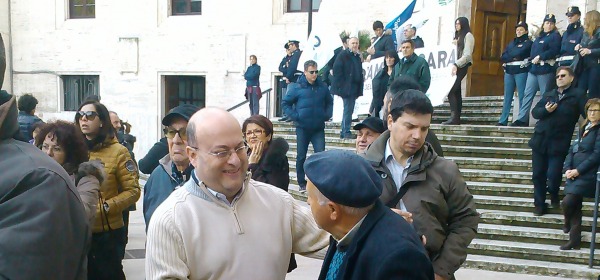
(493,25)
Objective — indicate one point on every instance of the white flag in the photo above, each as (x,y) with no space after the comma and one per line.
(323,39)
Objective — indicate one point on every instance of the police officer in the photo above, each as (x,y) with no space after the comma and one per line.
(571,37)
(544,51)
(515,69)
(292,73)
(283,68)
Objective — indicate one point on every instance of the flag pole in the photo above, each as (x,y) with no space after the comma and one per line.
(310,10)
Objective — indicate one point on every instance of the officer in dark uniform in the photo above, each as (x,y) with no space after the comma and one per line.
(283,68)
(516,68)
(544,51)
(292,73)
(571,37)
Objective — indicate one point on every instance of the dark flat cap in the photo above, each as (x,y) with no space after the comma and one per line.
(550,18)
(286,46)
(522,24)
(573,10)
(372,123)
(295,42)
(184,111)
(344,178)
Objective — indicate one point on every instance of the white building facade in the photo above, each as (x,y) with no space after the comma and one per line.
(142,57)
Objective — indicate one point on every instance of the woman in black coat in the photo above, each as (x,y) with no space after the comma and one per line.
(589,49)
(580,169)
(267,157)
(380,82)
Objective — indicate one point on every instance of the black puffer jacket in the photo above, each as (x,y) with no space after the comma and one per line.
(273,167)
(584,155)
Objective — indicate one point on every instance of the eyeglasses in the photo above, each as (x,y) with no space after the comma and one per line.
(226,154)
(594,110)
(89,115)
(313,72)
(170,133)
(257,132)
(561,76)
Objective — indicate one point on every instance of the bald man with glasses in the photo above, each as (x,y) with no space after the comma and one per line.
(222,224)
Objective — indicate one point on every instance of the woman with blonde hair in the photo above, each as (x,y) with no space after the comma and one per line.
(589,49)
(580,169)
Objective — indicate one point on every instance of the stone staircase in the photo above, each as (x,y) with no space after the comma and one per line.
(496,163)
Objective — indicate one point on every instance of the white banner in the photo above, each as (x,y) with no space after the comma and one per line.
(440,60)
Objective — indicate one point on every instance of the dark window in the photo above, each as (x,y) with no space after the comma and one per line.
(302,5)
(77,88)
(82,8)
(186,7)
(184,90)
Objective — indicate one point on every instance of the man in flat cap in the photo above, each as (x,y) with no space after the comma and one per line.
(366,132)
(571,37)
(174,168)
(368,240)
(418,181)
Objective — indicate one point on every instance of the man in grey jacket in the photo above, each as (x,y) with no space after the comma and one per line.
(44,231)
(429,187)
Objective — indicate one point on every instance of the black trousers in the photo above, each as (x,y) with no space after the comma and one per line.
(455,94)
(572,210)
(104,260)
(547,176)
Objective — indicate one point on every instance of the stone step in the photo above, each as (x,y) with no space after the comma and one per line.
(532,235)
(523,266)
(476,104)
(500,189)
(468,120)
(513,218)
(470,130)
(483,141)
(469,111)
(530,251)
(487,152)
(491,163)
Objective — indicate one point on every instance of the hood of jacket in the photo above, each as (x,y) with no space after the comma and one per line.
(9,126)
(423,158)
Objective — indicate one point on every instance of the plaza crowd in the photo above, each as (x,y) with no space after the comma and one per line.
(216,204)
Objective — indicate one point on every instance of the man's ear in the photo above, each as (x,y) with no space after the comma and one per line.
(192,155)
(334,211)
(390,120)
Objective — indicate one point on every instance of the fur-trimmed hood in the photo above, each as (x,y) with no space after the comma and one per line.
(277,148)
(92,167)
(9,126)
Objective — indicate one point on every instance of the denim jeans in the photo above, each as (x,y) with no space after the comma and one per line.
(303,138)
(254,105)
(347,115)
(547,176)
(512,81)
(534,83)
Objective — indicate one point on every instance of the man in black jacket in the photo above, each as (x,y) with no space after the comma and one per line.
(348,82)
(557,113)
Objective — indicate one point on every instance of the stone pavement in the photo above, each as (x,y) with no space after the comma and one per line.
(307,268)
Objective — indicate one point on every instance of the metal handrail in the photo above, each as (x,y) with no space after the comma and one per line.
(267,92)
(595,219)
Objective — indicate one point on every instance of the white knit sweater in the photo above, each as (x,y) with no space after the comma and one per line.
(193,235)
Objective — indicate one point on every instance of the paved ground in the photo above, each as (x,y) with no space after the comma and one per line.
(307,268)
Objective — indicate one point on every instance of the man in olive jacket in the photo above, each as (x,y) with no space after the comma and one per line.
(416,180)
(412,65)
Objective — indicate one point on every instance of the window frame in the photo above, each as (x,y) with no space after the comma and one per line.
(172,93)
(85,5)
(188,8)
(303,6)
(67,106)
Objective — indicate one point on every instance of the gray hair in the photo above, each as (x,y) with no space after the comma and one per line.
(353,211)
(310,63)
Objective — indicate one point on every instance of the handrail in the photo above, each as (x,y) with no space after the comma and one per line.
(267,92)
(595,220)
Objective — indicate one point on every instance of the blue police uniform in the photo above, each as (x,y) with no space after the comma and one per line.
(547,47)
(570,39)
(515,71)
